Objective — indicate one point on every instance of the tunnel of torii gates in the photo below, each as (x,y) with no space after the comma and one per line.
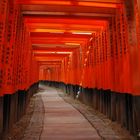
(87,45)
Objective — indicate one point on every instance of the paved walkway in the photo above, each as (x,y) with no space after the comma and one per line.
(61,120)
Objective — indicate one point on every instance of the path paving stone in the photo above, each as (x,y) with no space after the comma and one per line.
(63,122)
(57,117)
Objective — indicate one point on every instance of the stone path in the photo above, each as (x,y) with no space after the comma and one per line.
(58,117)
(61,120)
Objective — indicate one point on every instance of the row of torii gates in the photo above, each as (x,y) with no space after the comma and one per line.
(92,45)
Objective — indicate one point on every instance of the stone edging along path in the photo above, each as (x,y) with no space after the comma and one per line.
(107,129)
(34,130)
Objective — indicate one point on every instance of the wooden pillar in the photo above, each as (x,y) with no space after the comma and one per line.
(1,116)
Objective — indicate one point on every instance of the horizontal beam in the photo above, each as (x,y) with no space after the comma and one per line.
(66,20)
(39,59)
(40,49)
(57,35)
(103,3)
(85,15)
(66,10)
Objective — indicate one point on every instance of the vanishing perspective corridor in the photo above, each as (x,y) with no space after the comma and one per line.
(87,49)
